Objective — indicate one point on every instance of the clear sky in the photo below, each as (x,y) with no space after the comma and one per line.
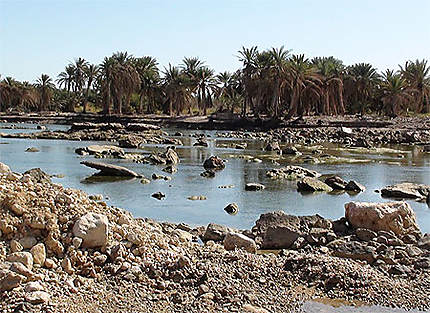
(42,36)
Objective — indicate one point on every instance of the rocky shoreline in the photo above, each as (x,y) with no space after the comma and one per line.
(61,249)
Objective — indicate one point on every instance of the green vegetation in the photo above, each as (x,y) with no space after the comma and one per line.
(271,83)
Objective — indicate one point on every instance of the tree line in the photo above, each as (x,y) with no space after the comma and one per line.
(270,82)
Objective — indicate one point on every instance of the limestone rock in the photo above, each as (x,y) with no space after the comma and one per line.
(215,232)
(4,169)
(93,229)
(355,187)
(336,182)
(110,170)
(406,191)
(292,172)
(235,240)
(39,254)
(25,258)
(38,176)
(37,297)
(395,216)
(309,184)
(9,279)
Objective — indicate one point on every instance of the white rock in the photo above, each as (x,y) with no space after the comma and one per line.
(39,254)
(235,240)
(37,297)
(93,229)
(395,216)
(4,168)
(33,286)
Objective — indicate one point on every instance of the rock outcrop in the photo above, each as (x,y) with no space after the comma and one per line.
(93,229)
(110,170)
(309,184)
(406,191)
(397,217)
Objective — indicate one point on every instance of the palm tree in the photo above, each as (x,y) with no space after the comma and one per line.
(360,84)
(91,72)
(248,57)
(331,71)
(176,85)
(417,75)
(44,86)
(303,80)
(147,68)
(205,85)
(278,66)
(395,93)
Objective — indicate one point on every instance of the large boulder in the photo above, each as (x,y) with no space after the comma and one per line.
(336,182)
(309,184)
(237,241)
(110,170)
(291,172)
(277,230)
(38,176)
(214,163)
(215,232)
(406,191)
(93,229)
(395,216)
(10,280)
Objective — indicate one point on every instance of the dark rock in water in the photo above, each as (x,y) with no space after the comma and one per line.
(130,142)
(355,187)
(406,191)
(232,208)
(38,175)
(158,195)
(291,151)
(178,134)
(170,169)
(156,176)
(170,156)
(110,170)
(215,232)
(208,173)
(32,149)
(254,187)
(272,146)
(201,142)
(309,184)
(41,127)
(214,162)
(336,182)
(357,251)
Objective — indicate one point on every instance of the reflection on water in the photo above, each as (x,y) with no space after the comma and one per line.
(58,157)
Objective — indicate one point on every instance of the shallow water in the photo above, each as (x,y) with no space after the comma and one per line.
(58,157)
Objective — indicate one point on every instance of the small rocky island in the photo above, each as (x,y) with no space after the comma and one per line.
(63,250)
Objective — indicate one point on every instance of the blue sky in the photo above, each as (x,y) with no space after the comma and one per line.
(43,36)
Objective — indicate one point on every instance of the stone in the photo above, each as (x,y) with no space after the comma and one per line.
(355,187)
(292,172)
(406,191)
(28,242)
(254,187)
(336,182)
(170,169)
(397,217)
(10,280)
(232,208)
(111,170)
(424,242)
(32,149)
(158,195)
(38,176)
(67,266)
(93,229)
(49,263)
(33,286)
(25,258)
(272,146)
(4,169)
(37,297)
(201,197)
(239,241)
(309,184)
(208,174)
(357,251)
(214,163)
(15,246)
(291,151)
(145,181)
(215,232)
(248,308)
(279,237)
(39,254)
(365,234)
